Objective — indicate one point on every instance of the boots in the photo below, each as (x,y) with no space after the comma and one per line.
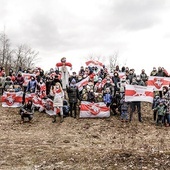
(61,119)
(54,118)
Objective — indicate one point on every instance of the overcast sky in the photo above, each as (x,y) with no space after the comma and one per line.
(137,30)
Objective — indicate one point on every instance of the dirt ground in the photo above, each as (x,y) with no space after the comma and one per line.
(82,144)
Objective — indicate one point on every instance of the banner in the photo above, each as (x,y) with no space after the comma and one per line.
(157,83)
(93,110)
(138,93)
(12,99)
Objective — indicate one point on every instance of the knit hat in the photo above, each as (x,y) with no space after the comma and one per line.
(73,81)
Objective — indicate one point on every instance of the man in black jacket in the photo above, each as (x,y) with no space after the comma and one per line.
(73,95)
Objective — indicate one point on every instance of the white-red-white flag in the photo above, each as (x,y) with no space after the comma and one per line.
(27,78)
(38,102)
(12,99)
(29,96)
(93,63)
(49,109)
(157,83)
(88,109)
(82,83)
(138,93)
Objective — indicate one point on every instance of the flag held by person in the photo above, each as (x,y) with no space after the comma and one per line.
(92,110)
(157,83)
(138,93)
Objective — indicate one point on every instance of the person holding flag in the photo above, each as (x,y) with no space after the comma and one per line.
(58,94)
(136,104)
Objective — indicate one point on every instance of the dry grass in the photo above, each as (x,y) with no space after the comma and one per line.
(82,144)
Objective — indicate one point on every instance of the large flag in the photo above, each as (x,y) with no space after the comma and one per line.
(82,83)
(12,99)
(138,93)
(92,63)
(88,109)
(157,83)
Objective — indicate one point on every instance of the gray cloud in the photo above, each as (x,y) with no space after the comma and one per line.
(133,15)
(47,29)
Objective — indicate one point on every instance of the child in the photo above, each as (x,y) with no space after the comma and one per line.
(161,109)
(167,113)
(156,100)
(107,97)
(27,111)
(124,109)
(66,108)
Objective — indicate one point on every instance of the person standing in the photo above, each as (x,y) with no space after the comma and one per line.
(73,97)
(58,94)
(136,104)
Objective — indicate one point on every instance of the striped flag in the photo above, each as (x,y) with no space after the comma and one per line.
(88,109)
(93,63)
(82,83)
(138,93)
(12,99)
(157,83)
(27,78)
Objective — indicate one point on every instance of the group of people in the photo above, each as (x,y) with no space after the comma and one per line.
(101,86)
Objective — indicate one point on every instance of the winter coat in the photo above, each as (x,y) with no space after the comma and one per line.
(58,98)
(32,85)
(107,98)
(90,97)
(160,110)
(73,94)
(19,80)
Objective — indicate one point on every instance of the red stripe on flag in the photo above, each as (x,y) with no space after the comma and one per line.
(133,93)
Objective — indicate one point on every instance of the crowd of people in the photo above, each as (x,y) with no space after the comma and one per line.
(102,86)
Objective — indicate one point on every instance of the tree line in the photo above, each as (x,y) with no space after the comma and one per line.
(19,57)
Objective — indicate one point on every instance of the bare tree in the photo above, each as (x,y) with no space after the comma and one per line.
(95,57)
(25,57)
(113,61)
(5,51)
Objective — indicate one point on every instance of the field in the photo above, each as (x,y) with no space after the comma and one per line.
(82,144)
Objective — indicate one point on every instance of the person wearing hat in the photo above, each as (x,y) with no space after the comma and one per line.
(27,111)
(136,104)
(73,97)
(73,76)
(154,72)
(161,110)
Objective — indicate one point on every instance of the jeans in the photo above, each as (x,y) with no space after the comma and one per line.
(73,107)
(167,118)
(160,118)
(124,115)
